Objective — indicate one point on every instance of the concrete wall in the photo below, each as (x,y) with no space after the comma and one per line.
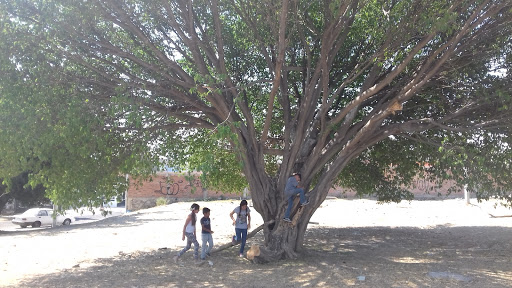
(176,187)
(421,188)
(173,187)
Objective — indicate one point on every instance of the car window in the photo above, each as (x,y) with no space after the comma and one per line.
(42,213)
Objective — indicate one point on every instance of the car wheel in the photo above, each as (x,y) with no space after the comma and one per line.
(66,222)
(36,224)
(23,226)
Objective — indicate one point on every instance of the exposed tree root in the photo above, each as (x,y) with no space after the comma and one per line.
(261,255)
(249,235)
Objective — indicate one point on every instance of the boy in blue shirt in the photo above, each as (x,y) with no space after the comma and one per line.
(293,188)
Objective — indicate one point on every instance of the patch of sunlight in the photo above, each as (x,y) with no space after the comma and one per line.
(162,270)
(506,276)
(345,250)
(349,282)
(305,279)
(411,260)
(449,276)
(406,284)
(294,263)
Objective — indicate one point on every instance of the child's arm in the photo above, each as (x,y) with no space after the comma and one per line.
(232,218)
(185,226)
(248,220)
(206,229)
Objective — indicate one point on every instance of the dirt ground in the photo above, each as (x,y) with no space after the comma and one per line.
(443,243)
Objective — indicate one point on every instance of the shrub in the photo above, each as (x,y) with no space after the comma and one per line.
(161,201)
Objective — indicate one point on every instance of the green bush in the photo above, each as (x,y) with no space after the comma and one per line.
(161,201)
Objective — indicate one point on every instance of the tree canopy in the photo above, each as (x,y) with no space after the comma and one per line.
(19,190)
(364,93)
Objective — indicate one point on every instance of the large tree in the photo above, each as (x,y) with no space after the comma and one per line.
(364,93)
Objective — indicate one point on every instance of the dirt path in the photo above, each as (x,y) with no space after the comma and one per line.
(348,243)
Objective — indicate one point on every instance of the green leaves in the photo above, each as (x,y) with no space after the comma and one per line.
(90,91)
(220,165)
(52,128)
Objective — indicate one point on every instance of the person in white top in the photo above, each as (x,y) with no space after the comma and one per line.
(242,223)
(189,231)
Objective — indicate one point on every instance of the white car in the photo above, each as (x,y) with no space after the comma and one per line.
(37,217)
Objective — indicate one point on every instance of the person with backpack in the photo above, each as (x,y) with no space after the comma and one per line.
(242,223)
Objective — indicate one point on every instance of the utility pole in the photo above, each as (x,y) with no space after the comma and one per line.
(466,194)
(54,216)
(126,194)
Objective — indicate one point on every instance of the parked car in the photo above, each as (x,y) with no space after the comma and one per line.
(37,217)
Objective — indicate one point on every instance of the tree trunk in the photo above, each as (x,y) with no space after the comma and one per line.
(283,240)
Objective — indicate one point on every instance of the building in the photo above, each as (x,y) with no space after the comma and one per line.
(172,187)
(178,187)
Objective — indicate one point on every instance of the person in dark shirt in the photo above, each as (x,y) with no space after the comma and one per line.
(206,234)
(293,188)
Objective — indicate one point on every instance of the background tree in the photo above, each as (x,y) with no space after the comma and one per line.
(358,92)
(19,190)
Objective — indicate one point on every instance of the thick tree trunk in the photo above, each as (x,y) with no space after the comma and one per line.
(283,240)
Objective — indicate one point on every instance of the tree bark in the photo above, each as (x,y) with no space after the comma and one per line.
(283,240)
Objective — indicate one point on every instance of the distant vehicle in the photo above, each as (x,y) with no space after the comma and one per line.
(37,217)
(113,202)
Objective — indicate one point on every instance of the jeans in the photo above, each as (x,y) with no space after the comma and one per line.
(241,235)
(207,238)
(191,238)
(291,195)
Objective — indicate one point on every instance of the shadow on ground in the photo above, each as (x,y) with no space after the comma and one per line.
(337,257)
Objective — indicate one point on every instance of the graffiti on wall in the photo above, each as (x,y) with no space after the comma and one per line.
(422,184)
(425,185)
(170,188)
